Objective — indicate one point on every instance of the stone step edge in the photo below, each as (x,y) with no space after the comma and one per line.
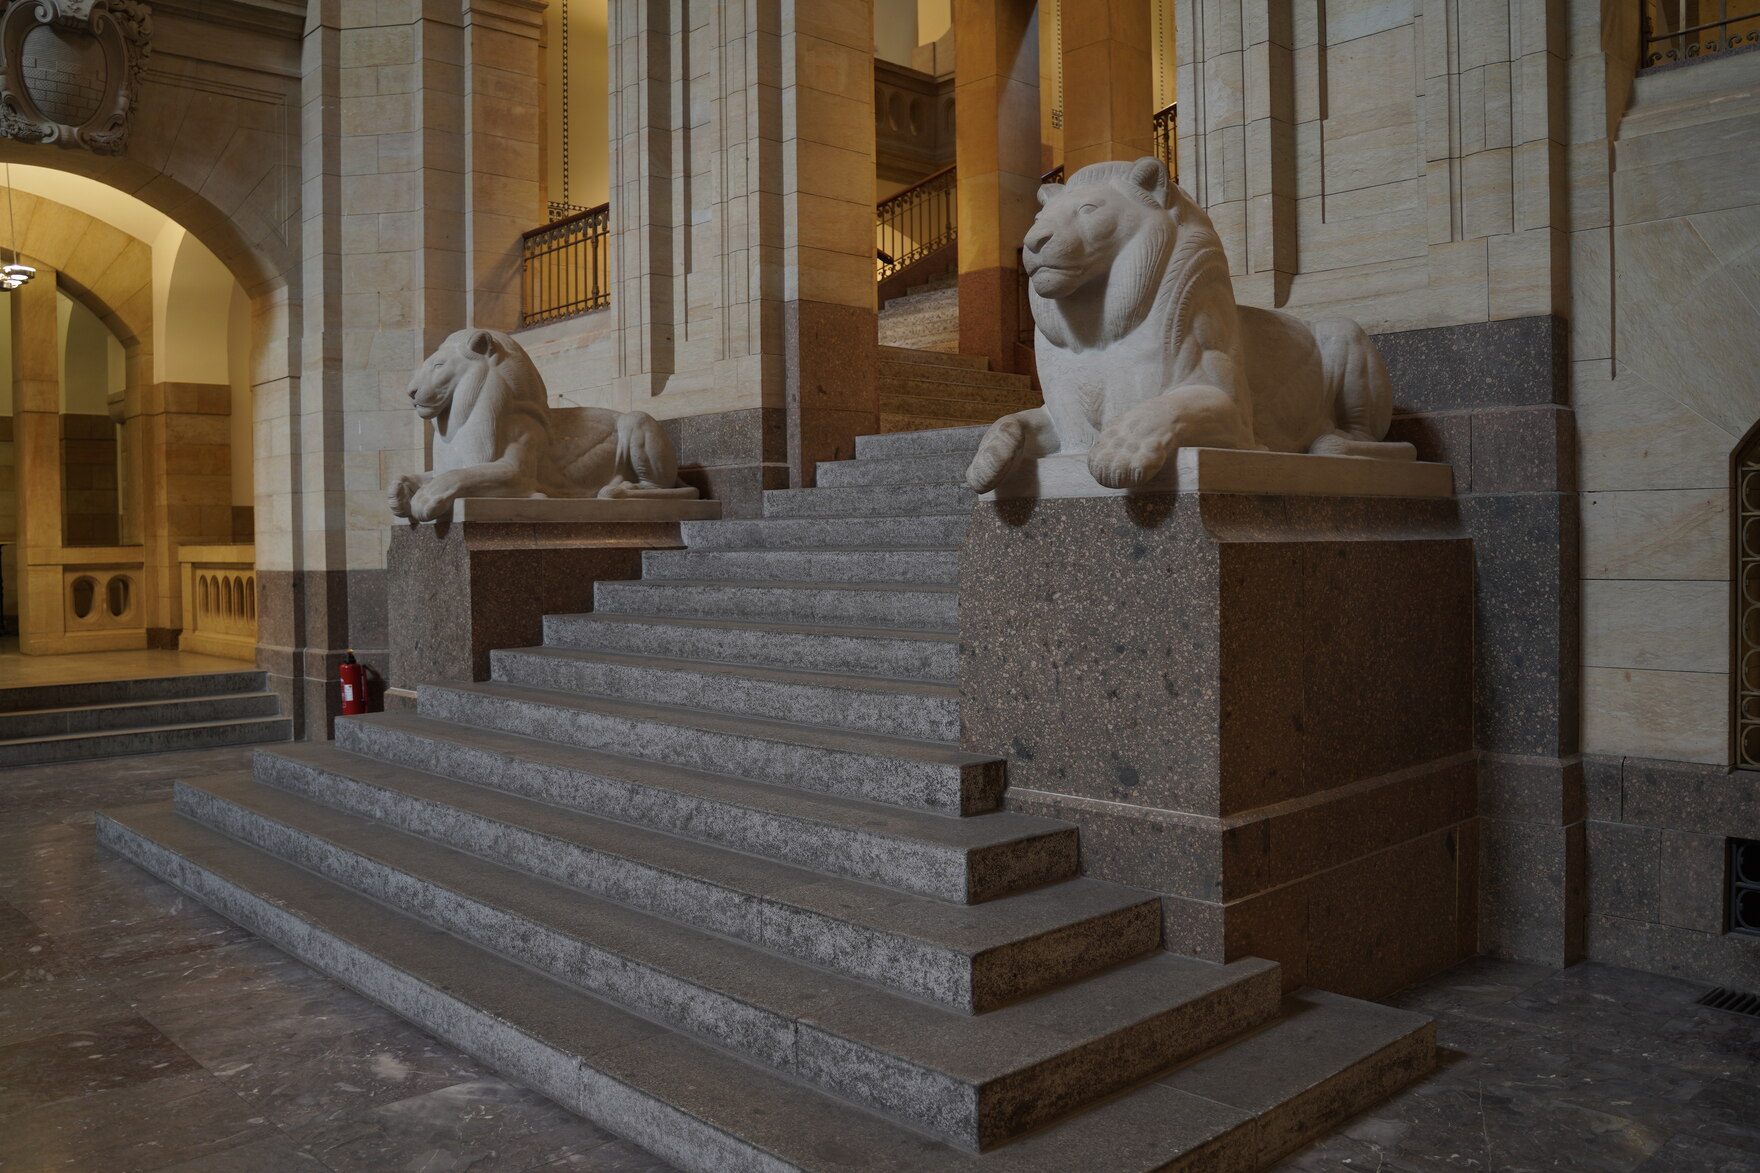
(781,806)
(849,630)
(12,692)
(125,706)
(687,1103)
(814,677)
(973,976)
(1009,1091)
(106,734)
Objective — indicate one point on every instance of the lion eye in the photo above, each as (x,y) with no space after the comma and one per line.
(1088,207)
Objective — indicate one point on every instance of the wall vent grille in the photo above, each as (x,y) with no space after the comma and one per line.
(1734,1001)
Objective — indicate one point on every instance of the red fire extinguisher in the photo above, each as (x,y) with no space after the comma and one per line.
(354,685)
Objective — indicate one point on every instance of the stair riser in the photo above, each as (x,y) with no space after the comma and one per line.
(909,865)
(932,718)
(145,741)
(935,468)
(915,659)
(99,719)
(956,376)
(947,788)
(859,502)
(110,692)
(672,1135)
(1000,399)
(916,567)
(934,359)
(793,533)
(919,443)
(897,962)
(952,407)
(909,610)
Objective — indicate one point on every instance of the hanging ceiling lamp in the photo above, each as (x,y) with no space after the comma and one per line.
(15,272)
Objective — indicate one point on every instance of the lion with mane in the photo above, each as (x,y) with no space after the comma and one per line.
(494,436)
(1142,350)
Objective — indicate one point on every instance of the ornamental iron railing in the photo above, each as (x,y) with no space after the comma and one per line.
(565,267)
(1682,30)
(1745,602)
(1166,124)
(920,220)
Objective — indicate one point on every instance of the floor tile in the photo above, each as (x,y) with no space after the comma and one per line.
(107,1055)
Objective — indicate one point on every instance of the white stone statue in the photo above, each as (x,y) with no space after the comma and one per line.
(493,436)
(1142,350)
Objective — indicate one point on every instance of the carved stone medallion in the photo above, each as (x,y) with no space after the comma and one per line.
(70,71)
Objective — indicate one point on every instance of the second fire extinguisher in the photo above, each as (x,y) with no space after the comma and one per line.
(354,685)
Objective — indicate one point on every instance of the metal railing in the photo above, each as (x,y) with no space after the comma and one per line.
(1055,175)
(1680,30)
(1166,126)
(565,267)
(917,221)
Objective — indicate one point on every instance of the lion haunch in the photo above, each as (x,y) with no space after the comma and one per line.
(1142,350)
(493,436)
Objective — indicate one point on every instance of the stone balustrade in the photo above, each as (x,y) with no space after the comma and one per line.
(219,600)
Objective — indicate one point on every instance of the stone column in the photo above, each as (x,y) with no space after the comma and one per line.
(503,115)
(996,93)
(829,332)
(181,441)
(36,426)
(1109,99)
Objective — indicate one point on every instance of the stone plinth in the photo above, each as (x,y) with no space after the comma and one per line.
(458,590)
(1258,705)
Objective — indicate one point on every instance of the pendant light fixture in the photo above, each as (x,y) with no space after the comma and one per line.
(15,272)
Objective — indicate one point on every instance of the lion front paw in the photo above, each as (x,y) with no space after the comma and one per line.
(1125,458)
(399,495)
(997,453)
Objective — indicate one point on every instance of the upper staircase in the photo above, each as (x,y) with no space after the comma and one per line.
(711,868)
(924,389)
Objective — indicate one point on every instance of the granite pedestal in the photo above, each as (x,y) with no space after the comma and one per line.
(486,579)
(1257,702)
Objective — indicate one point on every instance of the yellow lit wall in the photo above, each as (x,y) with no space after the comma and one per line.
(577,157)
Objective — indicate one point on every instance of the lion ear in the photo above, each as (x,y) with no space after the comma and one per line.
(481,342)
(1150,174)
(1047,191)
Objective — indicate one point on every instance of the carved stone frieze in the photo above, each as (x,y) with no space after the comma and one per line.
(70,71)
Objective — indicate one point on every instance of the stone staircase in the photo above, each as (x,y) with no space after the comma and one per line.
(710,868)
(924,389)
(926,318)
(45,723)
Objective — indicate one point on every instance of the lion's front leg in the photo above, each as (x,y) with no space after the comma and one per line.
(1138,444)
(434,499)
(1024,435)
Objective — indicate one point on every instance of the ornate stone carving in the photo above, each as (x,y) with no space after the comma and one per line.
(1142,350)
(70,71)
(494,436)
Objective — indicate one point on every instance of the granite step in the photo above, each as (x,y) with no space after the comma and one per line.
(964,861)
(955,376)
(861,501)
(936,358)
(952,407)
(926,775)
(922,300)
(970,958)
(917,655)
(144,688)
(891,423)
(974,1080)
(913,469)
(904,605)
(795,533)
(869,704)
(894,564)
(963,439)
(702,1109)
(29,724)
(69,747)
(1013,397)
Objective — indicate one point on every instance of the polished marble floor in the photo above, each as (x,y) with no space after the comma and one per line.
(140,1032)
(17,669)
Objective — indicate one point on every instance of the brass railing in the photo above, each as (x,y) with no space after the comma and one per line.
(1166,125)
(1680,30)
(917,221)
(565,267)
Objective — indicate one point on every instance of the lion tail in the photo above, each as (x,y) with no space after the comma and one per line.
(1356,378)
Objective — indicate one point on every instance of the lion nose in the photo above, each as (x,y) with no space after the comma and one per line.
(1037,237)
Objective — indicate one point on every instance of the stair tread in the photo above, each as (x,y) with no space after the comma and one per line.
(853,631)
(822,736)
(683,1085)
(136,704)
(247,677)
(786,585)
(955,929)
(876,818)
(97,734)
(976,1048)
(850,680)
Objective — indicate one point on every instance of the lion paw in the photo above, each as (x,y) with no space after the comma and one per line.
(399,495)
(1122,459)
(996,455)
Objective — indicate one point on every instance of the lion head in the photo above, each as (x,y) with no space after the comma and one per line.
(475,372)
(1110,242)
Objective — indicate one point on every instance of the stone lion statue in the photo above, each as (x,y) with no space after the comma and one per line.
(1142,349)
(493,436)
